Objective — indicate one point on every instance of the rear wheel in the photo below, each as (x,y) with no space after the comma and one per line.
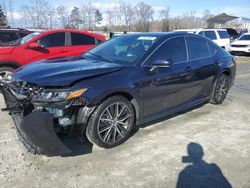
(111,123)
(221,89)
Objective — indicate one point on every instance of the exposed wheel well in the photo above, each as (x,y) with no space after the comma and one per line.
(128,96)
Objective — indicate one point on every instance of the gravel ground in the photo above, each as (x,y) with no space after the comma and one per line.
(153,156)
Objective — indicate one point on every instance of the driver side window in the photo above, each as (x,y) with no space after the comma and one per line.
(52,40)
(174,49)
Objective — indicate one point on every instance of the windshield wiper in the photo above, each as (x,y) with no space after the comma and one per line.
(104,58)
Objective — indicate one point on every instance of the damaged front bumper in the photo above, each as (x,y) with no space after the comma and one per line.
(37,125)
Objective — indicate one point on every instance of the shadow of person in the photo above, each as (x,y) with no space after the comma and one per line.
(200,174)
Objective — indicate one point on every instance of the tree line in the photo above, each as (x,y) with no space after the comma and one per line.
(120,17)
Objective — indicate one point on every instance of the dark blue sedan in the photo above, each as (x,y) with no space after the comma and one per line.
(122,83)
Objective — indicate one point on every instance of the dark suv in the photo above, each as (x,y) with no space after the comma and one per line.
(122,83)
(9,35)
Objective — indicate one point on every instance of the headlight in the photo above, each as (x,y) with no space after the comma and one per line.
(57,96)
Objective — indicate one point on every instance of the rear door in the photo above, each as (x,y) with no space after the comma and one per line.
(78,43)
(203,64)
(53,46)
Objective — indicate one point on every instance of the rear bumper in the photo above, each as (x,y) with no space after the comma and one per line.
(36,129)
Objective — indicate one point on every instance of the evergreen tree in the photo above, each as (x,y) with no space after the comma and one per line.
(3,18)
(98,17)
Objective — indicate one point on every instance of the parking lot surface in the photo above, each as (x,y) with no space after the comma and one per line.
(155,156)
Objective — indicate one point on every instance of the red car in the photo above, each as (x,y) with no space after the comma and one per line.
(44,45)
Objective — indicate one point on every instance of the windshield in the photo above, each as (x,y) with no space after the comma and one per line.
(123,49)
(29,37)
(245,37)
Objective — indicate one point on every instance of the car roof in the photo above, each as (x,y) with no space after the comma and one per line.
(99,36)
(212,29)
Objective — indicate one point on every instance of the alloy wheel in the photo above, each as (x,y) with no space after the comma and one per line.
(114,123)
(222,89)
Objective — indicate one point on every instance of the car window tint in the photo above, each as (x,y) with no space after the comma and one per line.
(223,34)
(197,48)
(174,49)
(212,49)
(8,36)
(201,33)
(81,39)
(210,34)
(22,34)
(53,40)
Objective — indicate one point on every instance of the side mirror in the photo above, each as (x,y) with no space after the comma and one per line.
(35,46)
(166,62)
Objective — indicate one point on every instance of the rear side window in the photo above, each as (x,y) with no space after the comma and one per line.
(53,40)
(223,34)
(197,48)
(81,39)
(8,36)
(210,34)
(201,33)
(212,49)
(174,48)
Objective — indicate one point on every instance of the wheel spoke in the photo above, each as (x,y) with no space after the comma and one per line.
(107,134)
(114,134)
(105,119)
(109,113)
(121,111)
(116,110)
(121,128)
(126,117)
(105,129)
(119,132)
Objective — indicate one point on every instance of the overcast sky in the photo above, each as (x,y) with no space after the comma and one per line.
(178,7)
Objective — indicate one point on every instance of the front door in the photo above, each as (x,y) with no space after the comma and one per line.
(167,87)
(53,46)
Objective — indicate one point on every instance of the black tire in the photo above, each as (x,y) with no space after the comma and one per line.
(221,89)
(97,136)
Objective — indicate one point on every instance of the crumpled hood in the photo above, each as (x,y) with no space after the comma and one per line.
(64,71)
(6,49)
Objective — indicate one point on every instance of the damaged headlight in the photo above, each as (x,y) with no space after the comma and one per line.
(57,96)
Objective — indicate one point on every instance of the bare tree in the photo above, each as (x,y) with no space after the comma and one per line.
(36,13)
(127,14)
(144,14)
(164,16)
(90,15)
(63,15)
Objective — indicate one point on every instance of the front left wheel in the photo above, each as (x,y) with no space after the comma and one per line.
(111,123)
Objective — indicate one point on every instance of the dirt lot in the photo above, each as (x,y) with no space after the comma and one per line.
(152,157)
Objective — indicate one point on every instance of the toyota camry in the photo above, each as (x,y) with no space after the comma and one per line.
(116,86)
